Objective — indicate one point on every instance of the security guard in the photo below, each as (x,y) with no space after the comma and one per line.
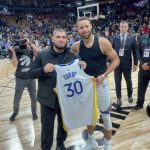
(126,47)
(144,71)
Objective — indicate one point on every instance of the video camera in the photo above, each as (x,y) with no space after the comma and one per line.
(18,46)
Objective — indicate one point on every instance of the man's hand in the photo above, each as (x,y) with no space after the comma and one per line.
(83,64)
(49,68)
(99,79)
(145,66)
(134,68)
(27,43)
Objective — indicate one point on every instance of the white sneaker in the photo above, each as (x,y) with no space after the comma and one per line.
(107,145)
(91,144)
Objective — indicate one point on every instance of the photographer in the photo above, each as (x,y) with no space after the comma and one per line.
(22,57)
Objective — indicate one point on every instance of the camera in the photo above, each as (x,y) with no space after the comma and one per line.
(18,46)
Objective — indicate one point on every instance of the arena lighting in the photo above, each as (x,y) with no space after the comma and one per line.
(69,5)
(78,3)
(105,2)
(72,14)
(88,0)
(141,3)
(102,16)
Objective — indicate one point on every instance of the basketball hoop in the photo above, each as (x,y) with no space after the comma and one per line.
(90,11)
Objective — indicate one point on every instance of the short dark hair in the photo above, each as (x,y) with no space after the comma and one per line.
(124,21)
(59,30)
(83,18)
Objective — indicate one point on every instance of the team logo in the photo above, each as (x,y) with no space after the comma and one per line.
(25,60)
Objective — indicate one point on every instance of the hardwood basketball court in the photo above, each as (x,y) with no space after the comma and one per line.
(131,130)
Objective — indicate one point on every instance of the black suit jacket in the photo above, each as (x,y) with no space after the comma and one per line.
(129,49)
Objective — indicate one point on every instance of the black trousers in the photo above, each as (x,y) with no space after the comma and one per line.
(118,78)
(143,81)
(47,127)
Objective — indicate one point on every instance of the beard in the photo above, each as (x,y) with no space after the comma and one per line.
(59,47)
(86,36)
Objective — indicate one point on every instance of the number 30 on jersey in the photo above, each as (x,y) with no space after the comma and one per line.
(74,88)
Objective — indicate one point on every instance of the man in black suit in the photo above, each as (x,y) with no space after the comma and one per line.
(144,70)
(125,46)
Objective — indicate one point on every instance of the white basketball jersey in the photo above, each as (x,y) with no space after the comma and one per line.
(77,96)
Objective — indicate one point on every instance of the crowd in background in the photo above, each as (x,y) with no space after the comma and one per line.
(38,27)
